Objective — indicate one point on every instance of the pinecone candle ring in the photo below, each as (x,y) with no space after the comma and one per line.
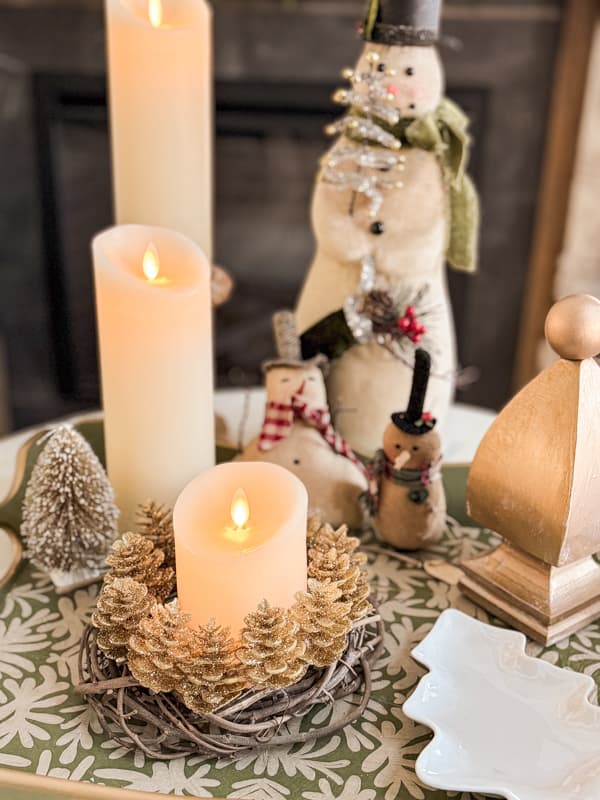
(173,688)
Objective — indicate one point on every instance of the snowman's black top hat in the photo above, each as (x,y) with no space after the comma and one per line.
(403,22)
(414,421)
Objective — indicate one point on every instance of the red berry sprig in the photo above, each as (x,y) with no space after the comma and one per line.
(410,325)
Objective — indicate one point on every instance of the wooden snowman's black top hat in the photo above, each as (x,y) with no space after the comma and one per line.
(403,22)
(414,421)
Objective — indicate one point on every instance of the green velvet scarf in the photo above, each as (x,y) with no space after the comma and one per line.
(445,133)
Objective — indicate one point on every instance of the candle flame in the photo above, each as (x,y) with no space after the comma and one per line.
(155,13)
(151,262)
(240,511)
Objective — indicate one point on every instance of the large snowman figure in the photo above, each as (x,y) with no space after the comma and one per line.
(392,204)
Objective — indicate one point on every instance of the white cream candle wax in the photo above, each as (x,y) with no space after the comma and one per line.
(240,537)
(161,110)
(155,340)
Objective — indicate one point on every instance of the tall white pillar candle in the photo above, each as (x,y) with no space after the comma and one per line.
(154,330)
(161,110)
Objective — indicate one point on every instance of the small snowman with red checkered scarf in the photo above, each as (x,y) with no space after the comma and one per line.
(298,434)
(406,496)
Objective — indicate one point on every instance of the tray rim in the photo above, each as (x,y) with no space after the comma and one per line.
(30,786)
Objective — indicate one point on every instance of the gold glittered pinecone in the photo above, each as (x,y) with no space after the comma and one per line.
(314,526)
(335,555)
(272,650)
(160,647)
(334,566)
(122,605)
(324,620)
(134,556)
(359,597)
(379,307)
(327,537)
(155,522)
(213,676)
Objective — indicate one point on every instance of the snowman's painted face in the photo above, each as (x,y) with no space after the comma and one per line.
(418,84)
(416,452)
(282,383)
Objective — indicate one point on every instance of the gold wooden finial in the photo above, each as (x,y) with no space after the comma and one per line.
(573,327)
(535,480)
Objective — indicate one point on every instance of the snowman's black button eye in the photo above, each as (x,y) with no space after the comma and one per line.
(409,71)
(415,448)
(397,446)
(412,106)
(296,461)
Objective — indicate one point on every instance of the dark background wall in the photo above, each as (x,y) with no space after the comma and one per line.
(276,65)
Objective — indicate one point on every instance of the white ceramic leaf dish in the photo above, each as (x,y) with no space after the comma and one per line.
(505,724)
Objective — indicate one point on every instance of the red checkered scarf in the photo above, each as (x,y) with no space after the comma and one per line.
(280,417)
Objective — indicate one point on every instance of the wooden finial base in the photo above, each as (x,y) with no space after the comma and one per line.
(545,602)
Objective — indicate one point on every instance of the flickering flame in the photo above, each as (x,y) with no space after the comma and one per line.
(151,262)
(240,511)
(155,13)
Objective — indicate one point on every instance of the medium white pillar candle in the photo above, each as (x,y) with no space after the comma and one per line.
(161,110)
(155,338)
(240,537)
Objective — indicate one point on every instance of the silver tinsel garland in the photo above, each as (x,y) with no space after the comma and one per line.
(369,161)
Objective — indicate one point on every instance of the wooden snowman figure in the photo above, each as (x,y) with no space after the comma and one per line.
(392,203)
(406,495)
(298,434)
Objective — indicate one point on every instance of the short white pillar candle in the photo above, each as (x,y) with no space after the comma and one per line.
(240,537)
